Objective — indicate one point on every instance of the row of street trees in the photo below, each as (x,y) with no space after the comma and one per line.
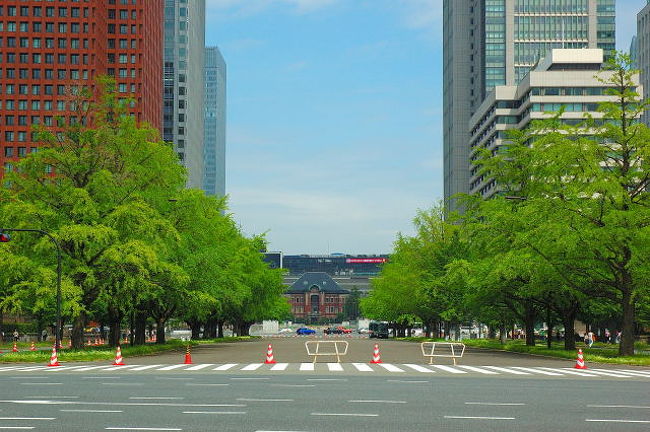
(136,244)
(566,238)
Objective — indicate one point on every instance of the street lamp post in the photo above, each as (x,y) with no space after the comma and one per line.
(58,276)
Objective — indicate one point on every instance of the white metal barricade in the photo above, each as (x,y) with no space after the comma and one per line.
(318,348)
(452,350)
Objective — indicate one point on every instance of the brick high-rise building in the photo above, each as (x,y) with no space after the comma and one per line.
(47,48)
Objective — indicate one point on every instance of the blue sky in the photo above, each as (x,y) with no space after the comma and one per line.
(334,117)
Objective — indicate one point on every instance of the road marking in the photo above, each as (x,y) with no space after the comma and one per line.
(334,367)
(510,371)
(408,381)
(122,384)
(63,368)
(114,368)
(214,412)
(327,379)
(539,371)
(41,383)
(572,372)
(156,397)
(252,367)
(279,367)
(91,411)
(30,377)
(87,368)
(419,368)
(306,366)
(58,397)
(479,370)
(617,421)
(142,429)
(101,377)
(619,406)
(27,418)
(162,404)
(16,427)
(390,368)
(141,368)
(344,414)
(479,418)
(449,369)
(293,385)
(207,384)
(623,373)
(496,403)
(644,372)
(250,378)
(199,367)
(362,367)
(225,367)
(264,400)
(605,373)
(172,367)
(378,401)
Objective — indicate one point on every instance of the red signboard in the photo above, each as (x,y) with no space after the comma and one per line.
(366,260)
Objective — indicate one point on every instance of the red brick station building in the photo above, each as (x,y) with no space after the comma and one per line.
(315,296)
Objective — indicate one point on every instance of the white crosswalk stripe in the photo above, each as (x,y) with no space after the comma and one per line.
(365,368)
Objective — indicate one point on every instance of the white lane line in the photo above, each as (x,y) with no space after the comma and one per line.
(142,429)
(41,383)
(250,378)
(619,406)
(449,369)
(214,412)
(87,368)
(496,403)
(101,377)
(616,421)
(479,370)
(45,397)
(611,374)
(571,372)
(17,427)
(327,379)
(121,384)
(643,372)
(264,400)
(334,367)
(478,418)
(199,367)
(539,371)
(141,368)
(114,368)
(293,385)
(252,367)
(622,373)
(377,401)
(207,384)
(172,367)
(225,367)
(362,367)
(344,414)
(156,397)
(280,367)
(27,418)
(159,404)
(64,368)
(390,368)
(306,366)
(408,381)
(418,368)
(91,411)
(506,370)
(30,377)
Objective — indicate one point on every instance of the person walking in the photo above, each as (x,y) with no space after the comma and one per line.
(44,335)
(16,335)
(589,339)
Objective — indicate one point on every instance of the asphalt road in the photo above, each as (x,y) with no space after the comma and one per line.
(291,400)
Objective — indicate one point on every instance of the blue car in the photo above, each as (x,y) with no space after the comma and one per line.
(305,331)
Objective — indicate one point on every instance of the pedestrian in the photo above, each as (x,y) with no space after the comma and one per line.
(618,336)
(608,336)
(589,339)
(44,335)
(15,334)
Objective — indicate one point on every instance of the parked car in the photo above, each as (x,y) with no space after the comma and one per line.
(285,330)
(363,331)
(305,331)
(331,330)
(344,330)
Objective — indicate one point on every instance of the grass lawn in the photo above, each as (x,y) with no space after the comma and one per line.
(97,353)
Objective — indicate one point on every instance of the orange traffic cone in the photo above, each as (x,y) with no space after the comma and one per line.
(580,362)
(54,359)
(376,358)
(118,357)
(15,348)
(269,355)
(32,347)
(188,356)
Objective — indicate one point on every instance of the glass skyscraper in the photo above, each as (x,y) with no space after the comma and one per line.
(214,182)
(184,84)
(496,42)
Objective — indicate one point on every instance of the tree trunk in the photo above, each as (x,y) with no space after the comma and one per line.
(492,332)
(626,348)
(195,326)
(160,331)
(116,330)
(78,331)
(529,322)
(140,327)
(502,333)
(244,328)
(220,329)
(568,319)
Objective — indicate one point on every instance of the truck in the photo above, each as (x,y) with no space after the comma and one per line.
(378,330)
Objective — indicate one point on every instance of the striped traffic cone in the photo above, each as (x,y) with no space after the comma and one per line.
(580,361)
(32,347)
(54,358)
(376,358)
(15,348)
(118,357)
(269,355)
(188,356)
